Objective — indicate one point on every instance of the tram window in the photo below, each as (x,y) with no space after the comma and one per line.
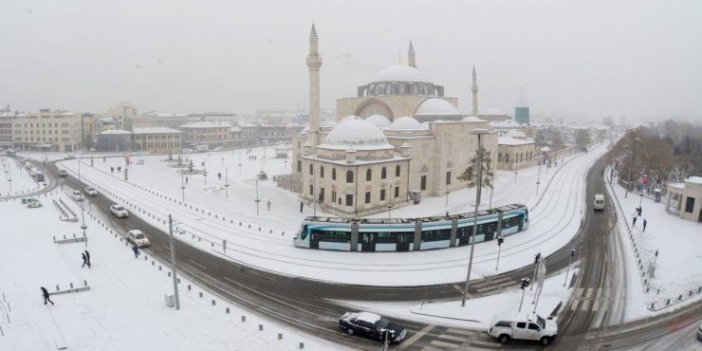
(436,235)
(510,222)
(331,236)
(385,237)
(303,232)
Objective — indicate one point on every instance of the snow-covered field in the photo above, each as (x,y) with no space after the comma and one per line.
(124,308)
(14,179)
(208,216)
(679,258)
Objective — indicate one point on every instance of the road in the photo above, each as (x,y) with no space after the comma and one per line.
(587,320)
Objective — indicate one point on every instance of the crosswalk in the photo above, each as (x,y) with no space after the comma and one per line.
(589,299)
(450,339)
(493,285)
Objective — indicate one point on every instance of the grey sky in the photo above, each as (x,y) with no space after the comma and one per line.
(587,58)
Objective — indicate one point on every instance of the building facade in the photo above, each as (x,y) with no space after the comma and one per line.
(685,199)
(206,133)
(515,151)
(156,139)
(50,130)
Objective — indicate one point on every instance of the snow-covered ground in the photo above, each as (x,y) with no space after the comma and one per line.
(125,307)
(208,216)
(679,259)
(14,179)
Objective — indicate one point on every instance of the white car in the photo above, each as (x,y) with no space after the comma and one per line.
(91,191)
(77,196)
(526,326)
(138,238)
(119,211)
(62,172)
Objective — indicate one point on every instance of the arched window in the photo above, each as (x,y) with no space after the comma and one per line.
(349,176)
(321,171)
(383,173)
(397,171)
(369,175)
(333,173)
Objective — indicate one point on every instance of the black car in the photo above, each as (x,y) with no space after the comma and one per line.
(371,325)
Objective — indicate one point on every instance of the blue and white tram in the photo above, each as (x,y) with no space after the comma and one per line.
(409,234)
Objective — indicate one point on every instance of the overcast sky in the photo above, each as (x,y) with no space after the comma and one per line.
(638,58)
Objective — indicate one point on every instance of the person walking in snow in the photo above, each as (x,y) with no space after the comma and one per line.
(45,294)
(644,224)
(186,180)
(87,257)
(135,248)
(268,204)
(634,222)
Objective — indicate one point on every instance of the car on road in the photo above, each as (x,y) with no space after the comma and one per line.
(599,203)
(371,325)
(77,196)
(138,238)
(33,203)
(62,172)
(119,211)
(517,326)
(91,191)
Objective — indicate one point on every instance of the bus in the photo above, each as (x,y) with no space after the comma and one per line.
(410,234)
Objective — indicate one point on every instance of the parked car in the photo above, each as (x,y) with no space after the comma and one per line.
(138,238)
(372,326)
(62,172)
(33,203)
(119,211)
(77,196)
(517,326)
(91,191)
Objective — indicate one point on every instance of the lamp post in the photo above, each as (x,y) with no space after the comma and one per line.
(182,171)
(538,178)
(572,254)
(173,262)
(226,181)
(479,132)
(500,240)
(257,199)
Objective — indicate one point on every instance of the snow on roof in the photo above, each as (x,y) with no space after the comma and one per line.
(406,123)
(206,124)
(472,119)
(235,129)
(155,130)
(356,132)
(513,138)
(379,121)
(400,73)
(505,124)
(694,180)
(116,132)
(436,107)
(368,317)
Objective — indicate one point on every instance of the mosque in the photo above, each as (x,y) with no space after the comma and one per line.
(399,139)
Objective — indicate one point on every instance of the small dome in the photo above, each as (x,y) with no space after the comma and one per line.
(406,123)
(472,119)
(436,107)
(400,73)
(516,134)
(355,131)
(379,121)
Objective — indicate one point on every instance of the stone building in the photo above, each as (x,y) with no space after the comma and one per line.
(685,199)
(156,139)
(51,130)
(7,117)
(515,151)
(207,133)
(398,139)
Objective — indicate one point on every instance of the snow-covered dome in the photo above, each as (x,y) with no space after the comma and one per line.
(472,119)
(379,121)
(400,73)
(355,131)
(517,134)
(436,107)
(405,123)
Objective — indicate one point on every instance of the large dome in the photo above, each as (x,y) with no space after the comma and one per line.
(379,121)
(406,123)
(355,131)
(436,107)
(400,73)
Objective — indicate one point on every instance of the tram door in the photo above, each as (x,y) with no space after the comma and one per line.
(314,240)
(404,240)
(367,242)
(521,222)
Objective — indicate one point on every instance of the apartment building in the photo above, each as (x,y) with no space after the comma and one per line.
(51,130)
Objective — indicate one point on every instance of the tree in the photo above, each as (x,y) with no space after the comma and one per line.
(582,137)
(470,175)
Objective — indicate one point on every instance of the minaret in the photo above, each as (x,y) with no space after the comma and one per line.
(314,62)
(521,111)
(410,56)
(474,88)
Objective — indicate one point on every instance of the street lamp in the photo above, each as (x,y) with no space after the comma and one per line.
(446,207)
(538,178)
(479,132)
(257,199)
(226,180)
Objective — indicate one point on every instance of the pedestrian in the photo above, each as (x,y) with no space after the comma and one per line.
(135,248)
(634,222)
(644,224)
(302,204)
(640,210)
(186,180)
(268,204)
(219,175)
(87,257)
(112,170)
(45,294)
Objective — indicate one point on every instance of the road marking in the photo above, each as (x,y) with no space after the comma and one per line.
(490,343)
(598,294)
(429,348)
(574,306)
(451,337)
(496,286)
(579,292)
(589,293)
(414,337)
(443,344)
(460,331)
(491,282)
(204,268)
(595,305)
(457,287)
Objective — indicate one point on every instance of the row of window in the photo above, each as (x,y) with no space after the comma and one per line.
(401,88)
(349,197)
(44,125)
(44,132)
(349,173)
(522,156)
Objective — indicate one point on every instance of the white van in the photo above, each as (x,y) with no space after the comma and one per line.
(599,203)
(523,326)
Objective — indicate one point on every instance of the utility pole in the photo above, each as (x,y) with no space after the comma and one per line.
(257,199)
(173,262)
(572,254)
(525,283)
(226,180)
